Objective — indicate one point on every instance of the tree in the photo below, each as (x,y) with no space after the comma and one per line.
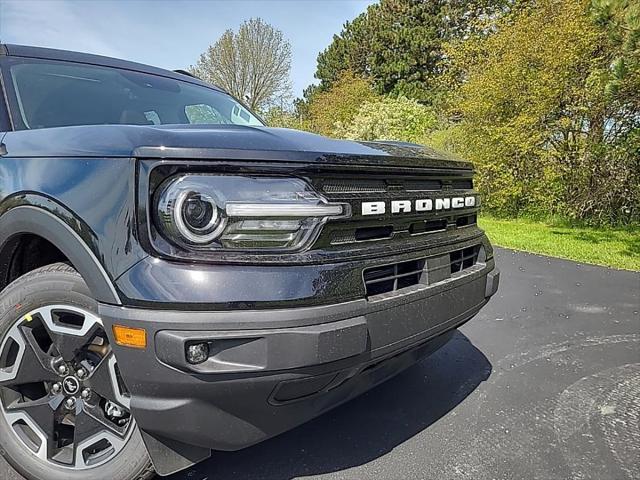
(348,51)
(252,64)
(621,21)
(536,117)
(328,109)
(397,44)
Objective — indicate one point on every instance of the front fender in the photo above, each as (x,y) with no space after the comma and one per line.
(27,219)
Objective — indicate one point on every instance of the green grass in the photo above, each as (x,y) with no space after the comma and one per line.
(610,247)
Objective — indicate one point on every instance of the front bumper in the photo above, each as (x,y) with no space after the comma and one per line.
(276,369)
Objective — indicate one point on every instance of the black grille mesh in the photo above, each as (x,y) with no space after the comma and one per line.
(390,278)
(354,186)
(465,184)
(398,276)
(463,259)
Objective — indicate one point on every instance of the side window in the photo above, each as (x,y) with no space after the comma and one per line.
(153,117)
(203,114)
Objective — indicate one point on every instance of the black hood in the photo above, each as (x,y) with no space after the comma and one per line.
(224,142)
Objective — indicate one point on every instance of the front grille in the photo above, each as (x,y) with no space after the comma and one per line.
(463,259)
(466,184)
(398,277)
(392,184)
(466,221)
(354,186)
(373,233)
(428,226)
(423,185)
(390,278)
(413,229)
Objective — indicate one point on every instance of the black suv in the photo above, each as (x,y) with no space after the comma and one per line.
(178,278)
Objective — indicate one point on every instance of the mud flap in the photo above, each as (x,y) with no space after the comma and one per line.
(169,457)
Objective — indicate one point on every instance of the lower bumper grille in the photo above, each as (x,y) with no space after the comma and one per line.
(425,271)
(463,259)
(390,278)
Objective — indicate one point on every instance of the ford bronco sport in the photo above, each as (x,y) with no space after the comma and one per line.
(178,278)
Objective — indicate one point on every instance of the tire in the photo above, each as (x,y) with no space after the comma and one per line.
(119,453)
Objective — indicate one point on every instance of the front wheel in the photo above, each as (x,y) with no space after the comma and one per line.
(64,409)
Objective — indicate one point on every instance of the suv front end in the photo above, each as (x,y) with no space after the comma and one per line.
(246,340)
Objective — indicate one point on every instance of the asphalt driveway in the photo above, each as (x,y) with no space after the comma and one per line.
(543,384)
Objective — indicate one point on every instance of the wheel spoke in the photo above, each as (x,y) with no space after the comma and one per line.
(41,412)
(68,346)
(91,426)
(69,340)
(90,421)
(104,381)
(34,366)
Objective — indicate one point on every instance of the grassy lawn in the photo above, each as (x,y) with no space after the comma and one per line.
(617,248)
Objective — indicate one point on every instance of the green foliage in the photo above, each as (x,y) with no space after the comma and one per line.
(282,118)
(301,105)
(397,44)
(347,52)
(620,19)
(388,118)
(532,109)
(335,106)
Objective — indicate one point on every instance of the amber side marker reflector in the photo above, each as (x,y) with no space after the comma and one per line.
(130,337)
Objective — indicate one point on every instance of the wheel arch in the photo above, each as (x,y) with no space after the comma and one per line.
(37,221)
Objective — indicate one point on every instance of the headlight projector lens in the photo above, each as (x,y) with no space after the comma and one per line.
(197,217)
(199,212)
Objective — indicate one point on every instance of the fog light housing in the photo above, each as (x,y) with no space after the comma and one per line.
(197,353)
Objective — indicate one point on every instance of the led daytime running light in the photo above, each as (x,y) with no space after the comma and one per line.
(282,210)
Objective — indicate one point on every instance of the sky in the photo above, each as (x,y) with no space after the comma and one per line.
(172,34)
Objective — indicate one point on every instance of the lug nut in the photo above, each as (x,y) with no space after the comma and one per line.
(63,370)
(81,373)
(86,393)
(70,403)
(113,410)
(56,388)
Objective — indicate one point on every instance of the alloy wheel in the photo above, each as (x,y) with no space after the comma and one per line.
(60,389)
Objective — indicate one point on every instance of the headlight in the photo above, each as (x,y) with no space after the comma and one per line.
(232,212)
(197,217)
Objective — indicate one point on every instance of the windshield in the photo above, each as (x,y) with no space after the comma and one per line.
(59,94)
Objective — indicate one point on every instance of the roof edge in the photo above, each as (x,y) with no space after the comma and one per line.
(42,53)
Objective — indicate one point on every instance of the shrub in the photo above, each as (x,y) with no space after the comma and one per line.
(327,109)
(282,118)
(399,119)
